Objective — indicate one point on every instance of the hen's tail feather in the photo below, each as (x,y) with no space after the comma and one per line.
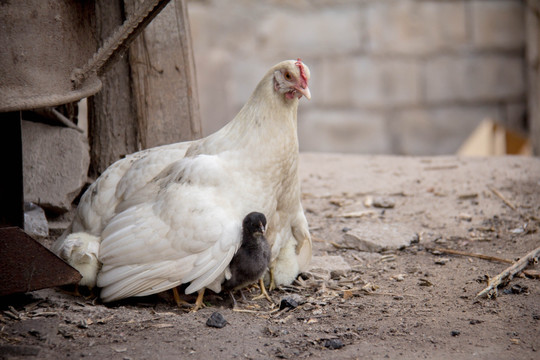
(212,274)
(125,281)
(80,250)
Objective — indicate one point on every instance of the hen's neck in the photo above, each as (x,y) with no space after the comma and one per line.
(265,119)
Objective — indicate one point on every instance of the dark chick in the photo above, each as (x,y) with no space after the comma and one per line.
(252,258)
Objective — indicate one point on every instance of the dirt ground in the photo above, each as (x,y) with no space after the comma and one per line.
(405,301)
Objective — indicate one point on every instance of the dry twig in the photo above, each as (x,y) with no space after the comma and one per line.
(500,196)
(342,247)
(508,273)
(358,214)
(463,253)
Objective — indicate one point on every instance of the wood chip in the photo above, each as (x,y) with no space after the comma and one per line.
(347,294)
(12,315)
(441,167)
(32,306)
(105,320)
(534,274)
(337,202)
(425,282)
(162,326)
(42,313)
(467,196)
(358,214)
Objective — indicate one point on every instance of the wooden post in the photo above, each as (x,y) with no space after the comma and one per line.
(163,78)
(112,123)
(159,105)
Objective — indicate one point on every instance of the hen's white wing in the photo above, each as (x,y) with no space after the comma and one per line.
(119,181)
(188,232)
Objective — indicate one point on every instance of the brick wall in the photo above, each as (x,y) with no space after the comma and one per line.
(388,76)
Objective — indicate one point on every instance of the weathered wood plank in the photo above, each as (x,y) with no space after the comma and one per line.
(112,121)
(163,78)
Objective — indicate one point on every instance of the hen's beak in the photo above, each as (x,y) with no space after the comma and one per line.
(304,91)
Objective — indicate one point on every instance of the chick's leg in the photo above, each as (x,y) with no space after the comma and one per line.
(233,299)
(264,293)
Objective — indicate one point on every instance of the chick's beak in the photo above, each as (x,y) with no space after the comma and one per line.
(304,91)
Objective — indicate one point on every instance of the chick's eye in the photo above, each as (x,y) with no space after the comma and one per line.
(288,76)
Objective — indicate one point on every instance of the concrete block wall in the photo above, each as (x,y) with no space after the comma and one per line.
(388,76)
(532,21)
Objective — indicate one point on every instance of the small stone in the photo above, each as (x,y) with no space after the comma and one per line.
(216,320)
(442,261)
(65,331)
(475,321)
(337,274)
(455,332)
(82,324)
(288,302)
(465,217)
(366,237)
(518,230)
(35,333)
(368,201)
(333,344)
(384,203)
(516,289)
(35,222)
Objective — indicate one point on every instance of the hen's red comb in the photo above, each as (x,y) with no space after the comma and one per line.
(302,72)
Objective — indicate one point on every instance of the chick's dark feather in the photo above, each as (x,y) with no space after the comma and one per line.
(252,258)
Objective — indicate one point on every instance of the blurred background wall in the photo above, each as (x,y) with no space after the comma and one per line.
(410,77)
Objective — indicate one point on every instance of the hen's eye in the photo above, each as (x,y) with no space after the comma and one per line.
(288,76)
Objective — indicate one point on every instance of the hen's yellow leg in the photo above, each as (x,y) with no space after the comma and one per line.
(272,285)
(179,302)
(199,302)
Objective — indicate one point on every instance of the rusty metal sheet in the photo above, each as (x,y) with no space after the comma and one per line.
(26,265)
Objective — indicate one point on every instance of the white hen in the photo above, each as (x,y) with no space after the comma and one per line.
(173,214)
